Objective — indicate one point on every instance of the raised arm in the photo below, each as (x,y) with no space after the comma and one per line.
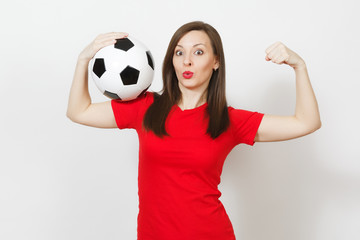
(80,108)
(306,118)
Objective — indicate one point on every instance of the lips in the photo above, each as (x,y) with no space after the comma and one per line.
(188,74)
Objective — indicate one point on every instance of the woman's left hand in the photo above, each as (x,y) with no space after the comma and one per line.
(280,54)
(306,118)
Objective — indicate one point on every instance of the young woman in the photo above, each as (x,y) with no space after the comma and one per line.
(186,132)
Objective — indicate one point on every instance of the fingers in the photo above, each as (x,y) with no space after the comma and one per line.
(107,39)
(277,53)
(112,35)
(272,46)
(101,41)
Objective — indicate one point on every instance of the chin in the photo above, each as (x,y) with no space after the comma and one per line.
(191,86)
(187,84)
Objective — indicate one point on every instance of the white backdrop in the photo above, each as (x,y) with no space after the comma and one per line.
(61,180)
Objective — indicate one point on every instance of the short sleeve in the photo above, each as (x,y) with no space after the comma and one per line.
(244,125)
(129,114)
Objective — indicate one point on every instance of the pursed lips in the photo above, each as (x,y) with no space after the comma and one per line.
(188,74)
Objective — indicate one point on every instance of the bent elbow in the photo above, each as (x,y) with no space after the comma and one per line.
(71,116)
(314,127)
(319,125)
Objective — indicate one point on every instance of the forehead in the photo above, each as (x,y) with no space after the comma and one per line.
(194,37)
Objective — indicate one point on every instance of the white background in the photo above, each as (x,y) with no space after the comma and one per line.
(61,180)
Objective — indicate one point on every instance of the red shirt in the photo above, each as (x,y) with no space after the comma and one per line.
(179,174)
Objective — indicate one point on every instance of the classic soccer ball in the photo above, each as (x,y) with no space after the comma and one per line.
(124,70)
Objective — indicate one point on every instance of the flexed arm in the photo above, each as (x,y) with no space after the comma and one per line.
(307,117)
(80,108)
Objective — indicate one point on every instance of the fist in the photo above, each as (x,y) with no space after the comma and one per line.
(280,54)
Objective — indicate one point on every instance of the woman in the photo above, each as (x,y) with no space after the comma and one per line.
(186,132)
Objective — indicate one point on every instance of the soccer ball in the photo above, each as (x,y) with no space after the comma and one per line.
(124,70)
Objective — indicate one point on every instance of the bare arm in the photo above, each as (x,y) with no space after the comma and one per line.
(80,108)
(307,117)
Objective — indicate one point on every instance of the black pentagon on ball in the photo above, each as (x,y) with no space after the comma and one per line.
(150,59)
(99,67)
(123,44)
(111,95)
(129,76)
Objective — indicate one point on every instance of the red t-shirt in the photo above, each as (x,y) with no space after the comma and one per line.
(179,174)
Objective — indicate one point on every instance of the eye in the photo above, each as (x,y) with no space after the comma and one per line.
(198,52)
(178,53)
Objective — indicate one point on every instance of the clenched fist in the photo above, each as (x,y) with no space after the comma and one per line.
(280,54)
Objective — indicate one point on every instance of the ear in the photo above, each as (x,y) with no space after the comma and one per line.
(216,64)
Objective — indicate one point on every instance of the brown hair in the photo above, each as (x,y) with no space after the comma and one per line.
(217,111)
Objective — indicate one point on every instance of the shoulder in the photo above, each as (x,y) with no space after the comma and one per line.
(147,97)
(244,124)
(241,115)
(137,105)
(128,114)
(235,112)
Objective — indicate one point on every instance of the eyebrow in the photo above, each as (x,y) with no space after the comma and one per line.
(193,46)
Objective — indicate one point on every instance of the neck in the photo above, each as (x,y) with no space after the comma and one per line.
(190,100)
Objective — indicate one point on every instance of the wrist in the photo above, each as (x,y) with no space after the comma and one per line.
(300,66)
(83,61)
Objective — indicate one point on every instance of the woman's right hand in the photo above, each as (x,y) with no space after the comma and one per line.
(80,108)
(99,42)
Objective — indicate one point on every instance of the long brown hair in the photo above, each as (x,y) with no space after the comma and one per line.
(217,111)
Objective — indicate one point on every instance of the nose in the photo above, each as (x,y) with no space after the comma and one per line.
(187,61)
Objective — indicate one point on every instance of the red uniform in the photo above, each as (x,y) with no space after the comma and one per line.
(179,174)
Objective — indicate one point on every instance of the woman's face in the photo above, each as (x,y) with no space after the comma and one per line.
(194,61)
